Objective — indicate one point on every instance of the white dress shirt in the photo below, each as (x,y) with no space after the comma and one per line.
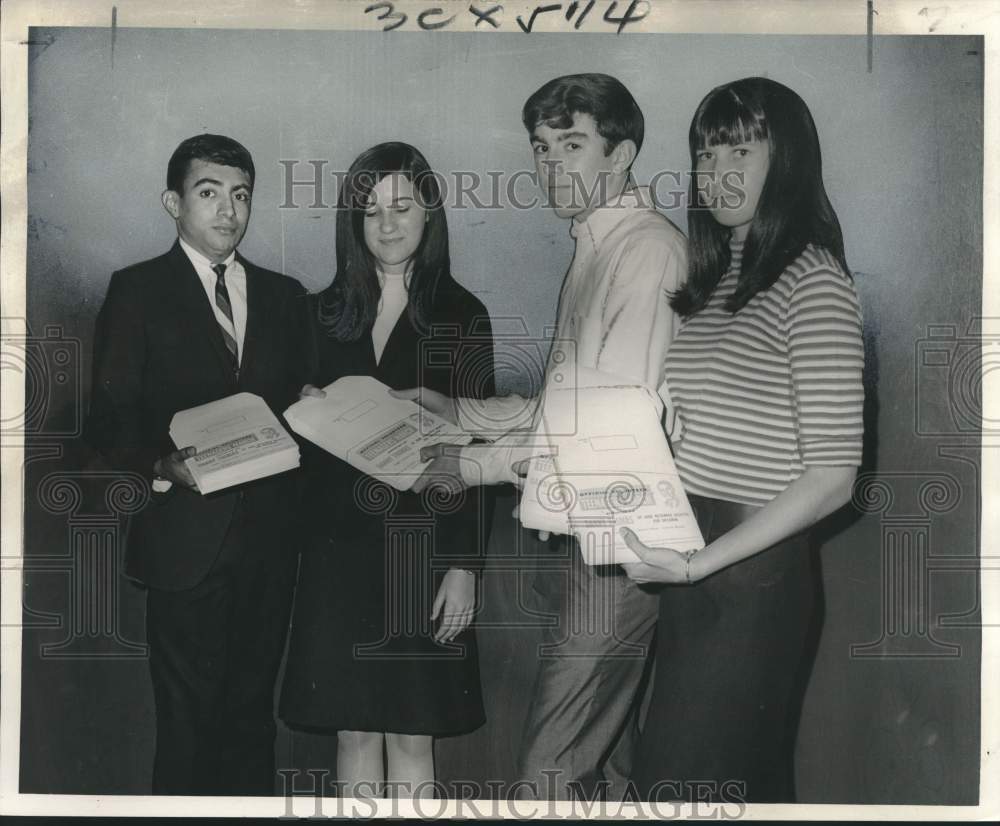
(390,308)
(614,308)
(236,286)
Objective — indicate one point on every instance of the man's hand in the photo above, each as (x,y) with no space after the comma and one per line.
(455,603)
(173,469)
(444,470)
(521,471)
(310,390)
(437,403)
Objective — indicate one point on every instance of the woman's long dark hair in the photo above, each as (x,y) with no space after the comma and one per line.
(793,210)
(347,308)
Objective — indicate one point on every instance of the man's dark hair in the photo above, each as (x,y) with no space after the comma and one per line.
(211,148)
(604,98)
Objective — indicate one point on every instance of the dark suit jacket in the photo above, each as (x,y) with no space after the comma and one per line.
(455,357)
(158,349)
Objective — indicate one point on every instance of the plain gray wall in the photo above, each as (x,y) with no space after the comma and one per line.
(902,150)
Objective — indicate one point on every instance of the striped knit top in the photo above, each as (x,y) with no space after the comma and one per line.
(772,389)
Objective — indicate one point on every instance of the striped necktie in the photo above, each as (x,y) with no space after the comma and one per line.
(226,323)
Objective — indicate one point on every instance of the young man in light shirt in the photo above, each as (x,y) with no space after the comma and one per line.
(585,131)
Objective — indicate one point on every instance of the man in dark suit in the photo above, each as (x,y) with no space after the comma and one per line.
(194,325)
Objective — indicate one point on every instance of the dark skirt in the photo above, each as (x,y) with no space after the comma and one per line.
(361,651)
(729,676)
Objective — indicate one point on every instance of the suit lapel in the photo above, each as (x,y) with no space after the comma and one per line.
(255,315)
(202,314)
(398,357)
(365,352)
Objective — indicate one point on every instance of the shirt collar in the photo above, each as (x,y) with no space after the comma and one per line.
(200,260)
(606,217)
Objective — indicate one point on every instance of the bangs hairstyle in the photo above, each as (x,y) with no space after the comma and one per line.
(212,149)
(603,97)
(347,308)
(793,210)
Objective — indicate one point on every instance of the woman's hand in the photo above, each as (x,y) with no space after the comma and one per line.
(658,564)
(437,403)
(819,491)
(455,603)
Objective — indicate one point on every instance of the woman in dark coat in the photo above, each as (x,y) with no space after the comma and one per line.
(381,649)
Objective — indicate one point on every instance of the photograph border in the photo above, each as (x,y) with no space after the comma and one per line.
(688,16)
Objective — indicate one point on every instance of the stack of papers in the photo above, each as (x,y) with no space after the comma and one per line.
(238,439)
(609,466)
(360,423)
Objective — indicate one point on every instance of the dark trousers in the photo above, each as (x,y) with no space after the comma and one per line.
(729,659)
(214,653)
(581,726)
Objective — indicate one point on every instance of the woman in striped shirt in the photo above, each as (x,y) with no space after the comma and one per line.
(765,378)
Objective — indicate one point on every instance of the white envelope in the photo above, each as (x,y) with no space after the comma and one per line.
(359,422)
(238,439)
(609,467)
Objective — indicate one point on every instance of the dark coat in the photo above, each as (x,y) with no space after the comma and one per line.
(453,356)
(158,349)
(362,654)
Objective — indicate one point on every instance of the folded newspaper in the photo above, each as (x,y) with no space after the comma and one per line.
(359,422)
(238,439)
(608,466)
